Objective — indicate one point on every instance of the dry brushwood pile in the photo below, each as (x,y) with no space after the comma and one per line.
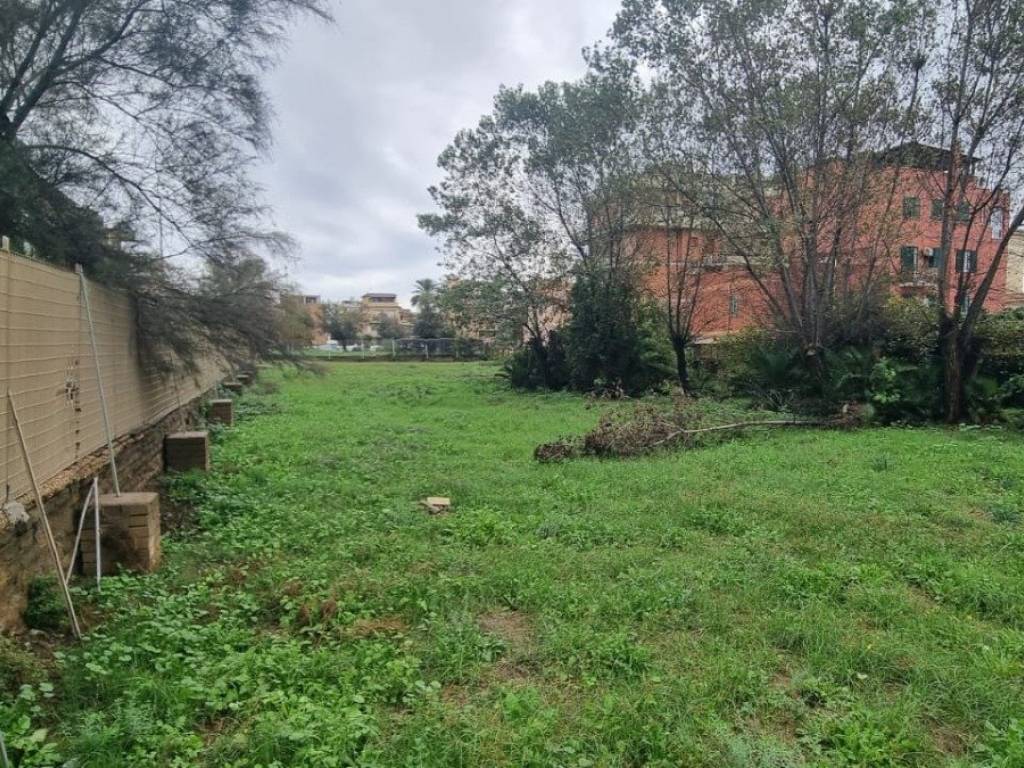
(648,427)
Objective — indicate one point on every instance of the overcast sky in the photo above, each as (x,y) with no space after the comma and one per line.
(365,106)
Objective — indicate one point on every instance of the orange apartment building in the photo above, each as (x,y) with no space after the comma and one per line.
(311,306)
(906,254)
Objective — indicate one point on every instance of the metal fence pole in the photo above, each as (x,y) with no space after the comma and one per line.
(99,379)
(96,528)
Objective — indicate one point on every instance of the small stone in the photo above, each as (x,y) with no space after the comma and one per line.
(437,505)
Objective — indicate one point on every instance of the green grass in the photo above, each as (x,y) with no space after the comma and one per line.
(802,598)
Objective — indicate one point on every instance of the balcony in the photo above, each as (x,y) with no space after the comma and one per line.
(918,282)
(715,261)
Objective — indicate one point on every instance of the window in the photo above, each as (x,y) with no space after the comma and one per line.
(908,259)
(936,258)
(966,262)
(963,212)
(996,222)
(911,208)
(965,304)
(937,209)
(734,304)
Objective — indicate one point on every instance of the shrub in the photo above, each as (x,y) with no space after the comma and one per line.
(901,391)
(538,365)
(615,340)
(910,331)
(772,377)
(45,609)
(1001,345)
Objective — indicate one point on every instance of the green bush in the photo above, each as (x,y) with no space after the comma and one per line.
(615,341)
(45,609)
(910,331)
(1001,344)
(532,368)
(902,391)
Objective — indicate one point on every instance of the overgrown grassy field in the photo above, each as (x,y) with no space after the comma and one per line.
(805,598)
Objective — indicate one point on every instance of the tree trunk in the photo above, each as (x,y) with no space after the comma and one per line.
(814,360)
(953,370)
(542,356)
(679,346)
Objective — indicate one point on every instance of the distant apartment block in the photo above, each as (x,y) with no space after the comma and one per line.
(382,312)
(730,299)
(312,306)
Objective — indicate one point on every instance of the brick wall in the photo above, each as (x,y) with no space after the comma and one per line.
(25,554)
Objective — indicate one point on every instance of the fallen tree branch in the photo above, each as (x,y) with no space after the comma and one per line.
(682,433)
(648,428)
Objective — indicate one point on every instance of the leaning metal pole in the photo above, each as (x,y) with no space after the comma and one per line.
(99,380)
(65,593)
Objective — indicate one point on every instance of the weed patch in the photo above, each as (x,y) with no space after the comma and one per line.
(816,598)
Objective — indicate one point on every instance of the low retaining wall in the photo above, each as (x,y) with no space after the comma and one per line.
(26,554)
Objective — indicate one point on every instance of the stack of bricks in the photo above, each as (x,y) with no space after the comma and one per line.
(129,534)
(221,412)
(187,450)
(140,460)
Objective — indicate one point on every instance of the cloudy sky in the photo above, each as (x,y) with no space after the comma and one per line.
(365,106)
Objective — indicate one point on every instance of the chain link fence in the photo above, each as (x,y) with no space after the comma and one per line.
(411,349)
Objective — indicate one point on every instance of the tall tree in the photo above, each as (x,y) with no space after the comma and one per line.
(424,293)
(388,327)
(429,323)
(793,109)
(481,309)
(490,235)
(149,113)
(779,106)
(343,321)
(683,263)
(150,110)
(973,60)
(545,190)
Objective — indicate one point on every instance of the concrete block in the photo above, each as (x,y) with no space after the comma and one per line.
(187,450)
(129,534)
(437,505)
(222,412)
(245,379)
(234,386)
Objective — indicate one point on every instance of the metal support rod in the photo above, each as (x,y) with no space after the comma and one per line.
(81,526)
(96,528)
(46,521)
(99,379)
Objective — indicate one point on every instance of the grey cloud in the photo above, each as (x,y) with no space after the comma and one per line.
(365,106)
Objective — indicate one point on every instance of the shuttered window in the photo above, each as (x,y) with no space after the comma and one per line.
(966,262)
(908,259)
(734,305)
